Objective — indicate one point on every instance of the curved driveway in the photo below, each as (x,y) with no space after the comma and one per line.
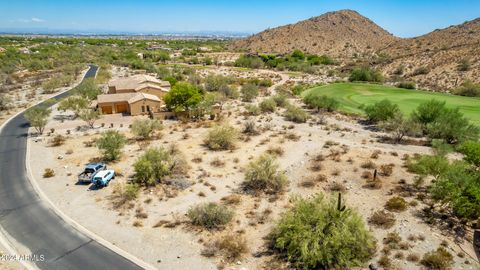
(31,221)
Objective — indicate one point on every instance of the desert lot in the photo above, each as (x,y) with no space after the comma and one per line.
(330,153)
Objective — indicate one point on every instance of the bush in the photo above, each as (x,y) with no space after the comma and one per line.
(421,71)
(452,127)
(111,143)
(210,215)
(428,165)
(321,102)
(396,204)
(145,128)
(252,109)
(468,89)
(124,193)
(268,105)
(314,234)
(232,247)
(280,100)
(153,166)
(5,102)
(262,175)
(58,140)
(296,114)
(365,74)
(428,112)
(407,85)
(48,173)
(382,219)
(250,128)
(249,61)
(471,152)
(400,127)
(381,111)
(221,138)
(440,259)
(249,92)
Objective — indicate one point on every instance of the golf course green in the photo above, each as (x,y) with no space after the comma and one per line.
(352,95)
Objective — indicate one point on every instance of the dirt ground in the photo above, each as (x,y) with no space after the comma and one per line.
(344,143)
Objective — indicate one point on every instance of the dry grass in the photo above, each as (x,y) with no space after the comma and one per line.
(396,204)
(233,199)
(368,165)
(48,173)
(217,162)
(382,219)
(231,247)
(276,151)
(386,169)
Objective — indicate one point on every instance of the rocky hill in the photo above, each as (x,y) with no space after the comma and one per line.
(440,60)
(338,34)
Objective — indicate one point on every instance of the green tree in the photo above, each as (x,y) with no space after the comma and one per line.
(365,74)
(428,112)
(38,117)
(145,128)
(88,89)
(182,97)
(321,102)
(316,234)
(90,116)
(381,111)
(111,143)
(153,166)
(74,103)
(452,127)
(298,54)
(400,127)
(249,92)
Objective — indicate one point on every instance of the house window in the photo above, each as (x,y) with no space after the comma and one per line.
(143,108)
(148,108)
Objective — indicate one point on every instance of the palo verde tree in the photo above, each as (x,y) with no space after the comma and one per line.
(182,97)
(111,143)
(38,117)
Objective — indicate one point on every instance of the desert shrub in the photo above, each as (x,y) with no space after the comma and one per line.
(396,204)
(153,166)
(250,128)
(268,105)
(385,262)
(457,187)
(468,89)
(221,138)
(321,102)
(335,239)
(58,140)
(428,165)
(249,61)
(124,193)
(111,143)
(439,259)
(280,100)
(381,111)
(275,151)
(471,152)
(5,102)
(231,247)
(407,85)
(382,219)
(252,109)
(399,127)
(48,173)
(210,215)
(365,74)
(249,92)
(421,71)
(145,128)
(295,114)
(386,169)
(262,175)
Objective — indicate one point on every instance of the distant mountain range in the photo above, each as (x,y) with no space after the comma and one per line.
(97,32)
(440,60)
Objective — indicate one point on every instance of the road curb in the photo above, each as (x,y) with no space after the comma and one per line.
(9,246)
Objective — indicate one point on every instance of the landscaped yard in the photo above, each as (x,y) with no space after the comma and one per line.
(352,95)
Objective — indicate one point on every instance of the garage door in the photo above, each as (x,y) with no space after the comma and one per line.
(107,109)
(121,108)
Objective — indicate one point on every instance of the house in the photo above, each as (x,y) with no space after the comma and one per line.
(136,95)
(139,83)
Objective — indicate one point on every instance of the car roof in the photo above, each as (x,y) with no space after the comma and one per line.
(103,173)
(93,165)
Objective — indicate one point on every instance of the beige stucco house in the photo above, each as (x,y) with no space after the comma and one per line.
(135,95)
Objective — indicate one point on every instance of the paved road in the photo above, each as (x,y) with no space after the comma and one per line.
(32,223)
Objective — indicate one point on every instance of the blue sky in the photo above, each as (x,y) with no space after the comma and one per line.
(405,18)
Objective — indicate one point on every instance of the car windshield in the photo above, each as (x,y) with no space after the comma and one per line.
(89,170)
(98,178)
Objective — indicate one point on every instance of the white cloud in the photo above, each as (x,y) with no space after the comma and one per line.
(31,20)
(37,20)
